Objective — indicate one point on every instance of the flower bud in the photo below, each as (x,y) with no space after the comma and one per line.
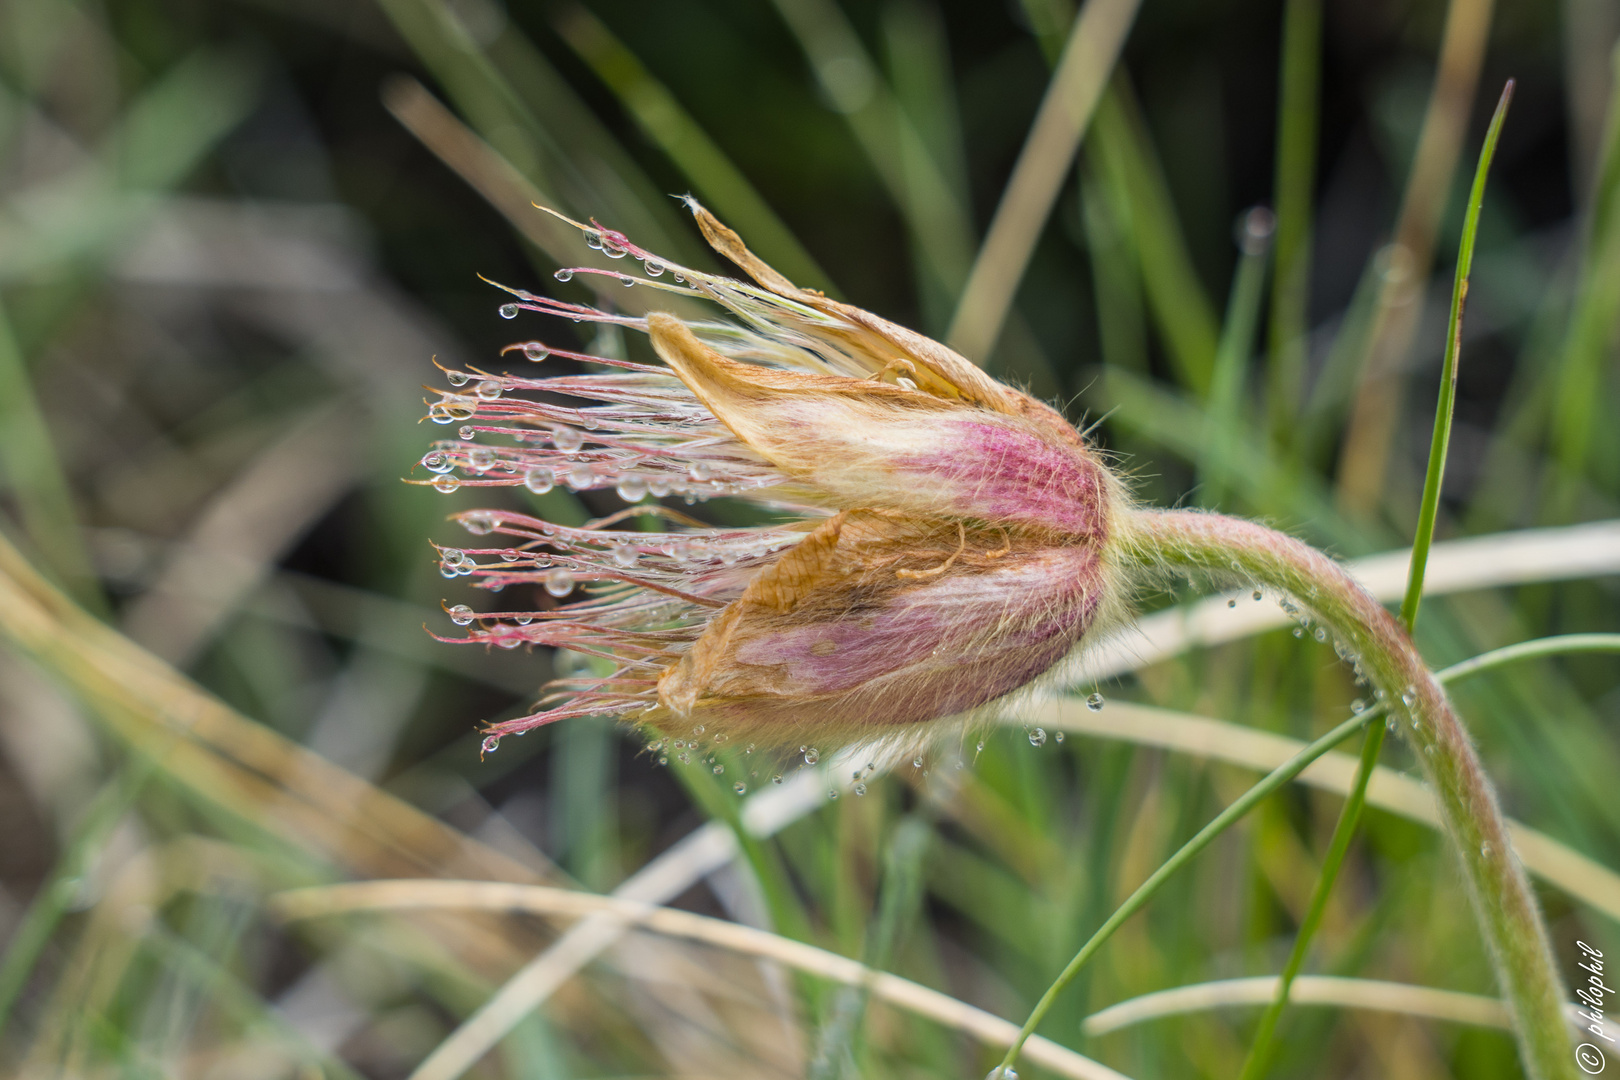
(944,541)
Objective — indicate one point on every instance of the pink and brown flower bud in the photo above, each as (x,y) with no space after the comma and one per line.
(950,535)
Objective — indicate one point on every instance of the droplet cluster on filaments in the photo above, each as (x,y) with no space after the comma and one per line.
(635,599)
(645,440)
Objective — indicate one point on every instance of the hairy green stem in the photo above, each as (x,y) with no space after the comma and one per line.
(1260,1049)
(1506,910)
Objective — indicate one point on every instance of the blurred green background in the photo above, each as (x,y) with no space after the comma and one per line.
(233,235)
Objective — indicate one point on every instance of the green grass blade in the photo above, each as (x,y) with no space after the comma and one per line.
(1237,344)
(1559,645)
(1297,117)
(1575,389)
(938,223)
(1181,308)
(663,119)
(34,473)
(1116,277)
(1441,439)
(1350,815)
(837,1043)
(1205,836)
(56,895)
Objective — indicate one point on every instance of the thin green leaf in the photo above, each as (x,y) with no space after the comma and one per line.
(1350,814)
(1297,115)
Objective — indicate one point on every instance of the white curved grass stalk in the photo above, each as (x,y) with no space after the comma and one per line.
(1481,562)
(1370,994)
(622,913)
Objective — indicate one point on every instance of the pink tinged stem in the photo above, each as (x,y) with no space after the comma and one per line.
(1508,916)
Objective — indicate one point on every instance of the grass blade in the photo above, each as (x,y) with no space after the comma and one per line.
(1297,116)
(675,131)
(1205,836)
(1378,400)
(1350,815)
(34,473)
(1026,202)
(539,899)
(1181,309)
(1232,357)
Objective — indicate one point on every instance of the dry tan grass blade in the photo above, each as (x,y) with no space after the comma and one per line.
(534,899)
(242,766)
(1082,72)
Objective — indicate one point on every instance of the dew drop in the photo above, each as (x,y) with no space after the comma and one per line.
(509,311)
(559,581)
(593,240)
(1231,603)
(623,555)
(1485,851)
(490,745)
(663,759)
(1037,737)
(461,614)
(1002,1072)
(1299,631)
(1095,702)
(916,763)
(1389,724)
(654,268)
(538,481)
(580,477)
(859,789)
(1409,697)
(699,471)
(832,793)
(1320,635)
(659,487)
(1358,706)
(613,250)
(1058,735)
(523,620)
(567,439)
(718,769)
(481,458)
(457,378)
(631,489)
(1258,595)
(811,755)
(446,484)
(564,274)
(740,788)
(488,390)
(437,461)
(777,779)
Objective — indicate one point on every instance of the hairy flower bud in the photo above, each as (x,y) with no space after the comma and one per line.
(944,539)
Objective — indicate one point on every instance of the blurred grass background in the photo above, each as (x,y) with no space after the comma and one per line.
(232,235)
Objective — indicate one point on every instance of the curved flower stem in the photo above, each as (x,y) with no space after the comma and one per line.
(1179,540)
